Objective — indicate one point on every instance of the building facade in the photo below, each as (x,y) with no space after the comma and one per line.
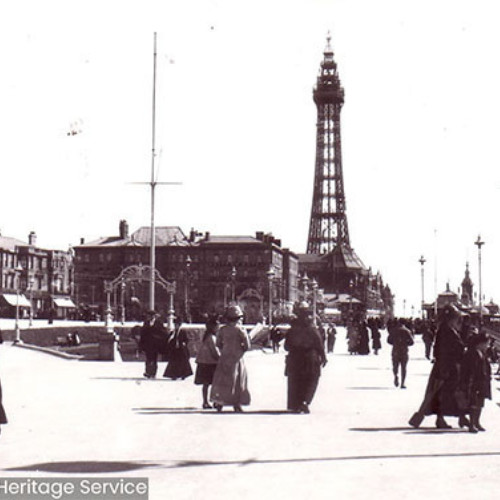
(209,273)
(34,280)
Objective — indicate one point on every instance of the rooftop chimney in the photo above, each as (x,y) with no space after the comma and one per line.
(82,241)
(32,238)
(123,229)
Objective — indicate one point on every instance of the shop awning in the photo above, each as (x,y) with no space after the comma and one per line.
(63,302)
(13,300)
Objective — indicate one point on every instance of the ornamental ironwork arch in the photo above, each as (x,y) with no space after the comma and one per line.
(139,273)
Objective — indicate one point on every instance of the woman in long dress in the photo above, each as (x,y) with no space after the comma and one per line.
(306,356)
(441,393)
(230,384)
(178,355)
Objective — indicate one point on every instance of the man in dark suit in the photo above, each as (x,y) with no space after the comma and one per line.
(401,338)
(153,341)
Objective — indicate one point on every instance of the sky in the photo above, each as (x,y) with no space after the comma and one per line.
(236,124)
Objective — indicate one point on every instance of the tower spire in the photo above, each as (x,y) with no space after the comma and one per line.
(328,222)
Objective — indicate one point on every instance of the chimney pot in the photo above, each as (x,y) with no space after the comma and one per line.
(32,238)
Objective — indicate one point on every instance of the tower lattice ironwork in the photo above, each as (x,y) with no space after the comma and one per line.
(328,223)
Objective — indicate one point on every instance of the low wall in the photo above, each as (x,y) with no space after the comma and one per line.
(89,338)
(47,337)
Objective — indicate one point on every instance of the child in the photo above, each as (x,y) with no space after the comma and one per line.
(207,358)
(476,378)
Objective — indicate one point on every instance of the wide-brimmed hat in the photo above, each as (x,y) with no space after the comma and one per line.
(234,312)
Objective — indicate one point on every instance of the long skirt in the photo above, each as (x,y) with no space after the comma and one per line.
(204,373)
(230,383)
(442,392)
(178,365)
(3,416)
(303,370)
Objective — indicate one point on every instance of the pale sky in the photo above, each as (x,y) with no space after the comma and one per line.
(236,124)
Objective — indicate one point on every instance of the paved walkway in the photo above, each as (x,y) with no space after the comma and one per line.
(100,418)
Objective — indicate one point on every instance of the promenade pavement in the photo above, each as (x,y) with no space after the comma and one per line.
(75,418)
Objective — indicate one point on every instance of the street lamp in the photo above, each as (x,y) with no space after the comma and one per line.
(31,283)
(314,287)
(186,289)
(351,284)
(404,308)
(270,277)
(17,339)
(422,262)
(122,301)
(479,244)
(233,284)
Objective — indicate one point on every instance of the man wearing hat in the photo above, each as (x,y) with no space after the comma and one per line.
(153,341)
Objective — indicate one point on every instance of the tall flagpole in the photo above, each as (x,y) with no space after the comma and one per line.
(153,185)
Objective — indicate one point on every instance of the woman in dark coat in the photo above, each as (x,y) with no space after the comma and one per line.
(376,337)
(306,356)
(441,392)
(364,339)
(178,355)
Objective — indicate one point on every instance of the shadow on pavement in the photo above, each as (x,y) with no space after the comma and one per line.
(409,430)
(199,411)
(136,379)
(378,429)
(433,430)
(83,467)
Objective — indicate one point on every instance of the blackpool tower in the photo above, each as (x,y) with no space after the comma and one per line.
(330,258)
(328,223)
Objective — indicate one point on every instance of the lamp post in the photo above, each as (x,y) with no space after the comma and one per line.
(31,283)
(314,287)
(171,311)
(270,277)
(233,283)
(186,289)
(351,284)
(122,301)
(17,339)
(422,262)
(479,243)
(404,308)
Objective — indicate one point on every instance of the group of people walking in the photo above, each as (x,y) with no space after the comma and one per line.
(220,361)
(220,366)
(460,379)
(458,384)
(358,336)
